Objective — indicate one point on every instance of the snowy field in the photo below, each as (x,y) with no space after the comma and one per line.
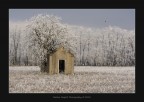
(84,80)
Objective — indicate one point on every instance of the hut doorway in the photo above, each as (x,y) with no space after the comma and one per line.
(61,66)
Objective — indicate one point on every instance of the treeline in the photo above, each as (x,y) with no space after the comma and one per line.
(109,46)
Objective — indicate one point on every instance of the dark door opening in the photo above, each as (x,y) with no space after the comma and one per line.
(61,66)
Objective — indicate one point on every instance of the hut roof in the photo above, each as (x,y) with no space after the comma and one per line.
(65,48)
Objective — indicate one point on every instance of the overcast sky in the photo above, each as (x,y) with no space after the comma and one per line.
(124,18)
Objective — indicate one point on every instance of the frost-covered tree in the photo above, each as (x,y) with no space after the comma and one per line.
(14,44)
(46,33)
(17,46)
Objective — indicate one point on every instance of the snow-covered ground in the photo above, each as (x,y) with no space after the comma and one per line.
(86,79)
(102,69)
(24,68)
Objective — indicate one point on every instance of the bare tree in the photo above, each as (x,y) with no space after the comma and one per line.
(15,43)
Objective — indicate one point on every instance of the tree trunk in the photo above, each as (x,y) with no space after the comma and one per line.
(43,66)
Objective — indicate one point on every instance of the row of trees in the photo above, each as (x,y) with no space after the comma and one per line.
(109,46)
(30,42)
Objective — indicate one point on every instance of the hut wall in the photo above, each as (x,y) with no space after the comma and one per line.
(54,58)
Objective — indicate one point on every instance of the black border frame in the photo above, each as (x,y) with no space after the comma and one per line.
(4,71)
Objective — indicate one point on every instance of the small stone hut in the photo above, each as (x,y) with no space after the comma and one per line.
(60,61)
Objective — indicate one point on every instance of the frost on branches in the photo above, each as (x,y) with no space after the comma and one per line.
(30,42)
(46,33)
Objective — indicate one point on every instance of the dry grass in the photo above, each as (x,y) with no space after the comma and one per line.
(84,80)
